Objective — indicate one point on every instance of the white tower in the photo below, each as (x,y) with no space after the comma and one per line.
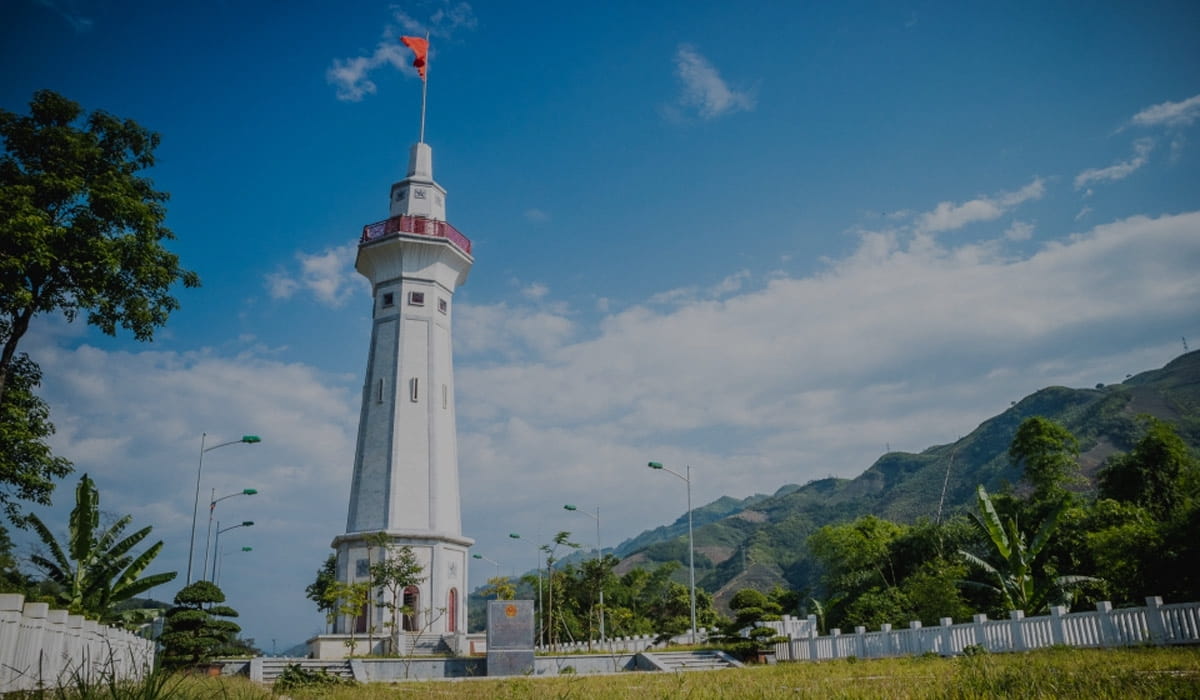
(405,481)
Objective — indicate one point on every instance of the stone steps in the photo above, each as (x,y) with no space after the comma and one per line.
(272,667)
(701,660)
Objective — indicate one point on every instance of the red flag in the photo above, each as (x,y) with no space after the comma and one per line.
(420,47)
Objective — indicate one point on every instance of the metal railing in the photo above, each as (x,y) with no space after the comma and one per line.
(417,225)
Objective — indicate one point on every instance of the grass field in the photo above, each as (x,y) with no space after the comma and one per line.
(1051,673)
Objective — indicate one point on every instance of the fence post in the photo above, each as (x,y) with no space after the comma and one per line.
(860,642)
(914,638)
(1108,631)
(980,630)
(1154,620)
(947,636)
(1018,629)
(834,634)
(886,633)
(10,631)
(1058,624)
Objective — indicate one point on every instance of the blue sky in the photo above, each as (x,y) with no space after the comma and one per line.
(766,241)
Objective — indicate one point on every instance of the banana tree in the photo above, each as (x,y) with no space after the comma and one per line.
(96,570)
(1013,563)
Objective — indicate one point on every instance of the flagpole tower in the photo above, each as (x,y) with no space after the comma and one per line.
(405,487)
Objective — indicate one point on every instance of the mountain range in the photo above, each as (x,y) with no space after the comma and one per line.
(758,542)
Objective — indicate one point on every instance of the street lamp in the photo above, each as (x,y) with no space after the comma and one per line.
(217,546)
(599,558)
(220,568)
(538,567)
(691,544)
(248,439)
(212,505)
(490,561)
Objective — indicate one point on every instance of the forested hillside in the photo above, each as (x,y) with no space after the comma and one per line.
(760,541)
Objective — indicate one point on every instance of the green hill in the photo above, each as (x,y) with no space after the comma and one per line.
(759,541)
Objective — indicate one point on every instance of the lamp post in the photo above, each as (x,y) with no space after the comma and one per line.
(221,567)
(248,439)
(538,568)
(244,523)
(691,544)
(212,505)
(599,558)
(490,561)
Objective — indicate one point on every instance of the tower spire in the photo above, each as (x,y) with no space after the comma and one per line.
(424,89)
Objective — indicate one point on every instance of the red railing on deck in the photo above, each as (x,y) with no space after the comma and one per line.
(417,225)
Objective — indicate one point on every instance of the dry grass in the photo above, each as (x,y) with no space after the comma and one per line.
(1054,673)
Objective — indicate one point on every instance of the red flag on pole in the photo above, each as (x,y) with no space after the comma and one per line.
(420,47)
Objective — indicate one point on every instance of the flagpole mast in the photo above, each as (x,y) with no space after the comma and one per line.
(424,90)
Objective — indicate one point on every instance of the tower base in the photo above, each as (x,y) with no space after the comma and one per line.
(435,607)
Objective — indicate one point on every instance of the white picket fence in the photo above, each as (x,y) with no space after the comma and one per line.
(44,648)
(618,645)
(1104,627)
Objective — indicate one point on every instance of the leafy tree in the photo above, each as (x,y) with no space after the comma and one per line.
(194,631)
(1159,474)
(745,633)
(500,586)
(933,592)
(1013,565)
(396,571)
(317,590)
(348,600)
(27,467)
(1049,455)
(562,539)
(80,228)
(11,578)
(96,570)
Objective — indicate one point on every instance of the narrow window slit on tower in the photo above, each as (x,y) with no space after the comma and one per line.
(379,390)
(445,396)
(442,305)
(412,389)
(416,298)
(389,299)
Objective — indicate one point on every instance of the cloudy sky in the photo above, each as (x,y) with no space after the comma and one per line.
(769,242)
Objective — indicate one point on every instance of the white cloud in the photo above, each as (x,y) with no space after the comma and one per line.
(70,12)
(351,76)
(536,215)
(1117,171)
(703,88)
(908,342)
(1083,213)
(1019,231)
(328,275)
(535,291)
(1169,113)
(949,216)
(132,421)
(498,331)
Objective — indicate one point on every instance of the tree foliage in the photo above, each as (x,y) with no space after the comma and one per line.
(195,629)
(1048,453)
(1159,474)
(395,571)
(1012,566)
(80,228)
(27,466)
(96,569)
(316,591)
